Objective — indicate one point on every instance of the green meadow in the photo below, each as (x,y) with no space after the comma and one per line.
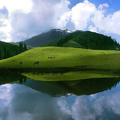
(87,63)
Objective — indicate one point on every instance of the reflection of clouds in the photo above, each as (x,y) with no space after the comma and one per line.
(28,104)
(23,103)
(4,92)
(80,110)
(3,110)
(110,102)
(4,101)
(64,107)
(101,107)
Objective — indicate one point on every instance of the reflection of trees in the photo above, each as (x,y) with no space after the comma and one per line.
(92,86)
(7,76)
(22,79)
(79,87)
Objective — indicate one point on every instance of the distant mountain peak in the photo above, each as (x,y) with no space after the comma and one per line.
(47,37)
(62,30)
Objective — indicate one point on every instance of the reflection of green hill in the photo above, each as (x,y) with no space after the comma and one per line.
(79,87)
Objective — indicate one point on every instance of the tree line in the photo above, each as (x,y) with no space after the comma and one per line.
(90,40)
(6,52)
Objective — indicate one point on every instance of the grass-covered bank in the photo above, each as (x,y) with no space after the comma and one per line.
(73,75)
(64,74)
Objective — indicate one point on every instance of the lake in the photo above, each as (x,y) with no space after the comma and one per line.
(26,99)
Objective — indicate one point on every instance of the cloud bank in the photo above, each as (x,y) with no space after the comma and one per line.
(23,21)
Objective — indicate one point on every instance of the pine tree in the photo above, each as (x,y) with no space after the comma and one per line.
(5,52)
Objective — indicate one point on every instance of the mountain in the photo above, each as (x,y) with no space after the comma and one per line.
(46,37)
(87,40)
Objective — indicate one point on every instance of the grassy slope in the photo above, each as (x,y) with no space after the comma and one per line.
(65,57)
(105,63)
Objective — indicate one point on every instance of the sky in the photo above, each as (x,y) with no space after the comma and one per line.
(23,19)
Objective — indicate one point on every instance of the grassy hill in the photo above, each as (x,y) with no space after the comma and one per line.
(87,40)
(73,63)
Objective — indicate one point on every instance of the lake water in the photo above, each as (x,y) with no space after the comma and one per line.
(93,99)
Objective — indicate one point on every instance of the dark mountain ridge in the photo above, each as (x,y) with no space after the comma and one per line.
(86,40)
(46,37)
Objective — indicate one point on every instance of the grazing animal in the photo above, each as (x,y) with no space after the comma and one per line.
(13,60)
(36,63)
(20,63)
(51,57)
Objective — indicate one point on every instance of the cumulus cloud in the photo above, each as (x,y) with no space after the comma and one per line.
(109,24)
(44,15)
(22,21)
(101,6)
(86,16)
(81,13)
(4,12)
(5,27)
(23,5)
(93,29)
(34,17)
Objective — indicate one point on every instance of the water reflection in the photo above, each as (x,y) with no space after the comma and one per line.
(7,76)
(21,102)
(78,87)
(92,99)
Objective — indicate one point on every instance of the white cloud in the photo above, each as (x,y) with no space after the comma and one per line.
(109,24)
(92,29)
(12,5)
(43,16)
(101,6)
(81,14)
(86,16)
(27,18)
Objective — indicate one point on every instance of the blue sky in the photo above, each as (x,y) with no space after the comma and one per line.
(114,4)
(27,18)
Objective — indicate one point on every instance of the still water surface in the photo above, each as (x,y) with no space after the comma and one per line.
(93,99)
